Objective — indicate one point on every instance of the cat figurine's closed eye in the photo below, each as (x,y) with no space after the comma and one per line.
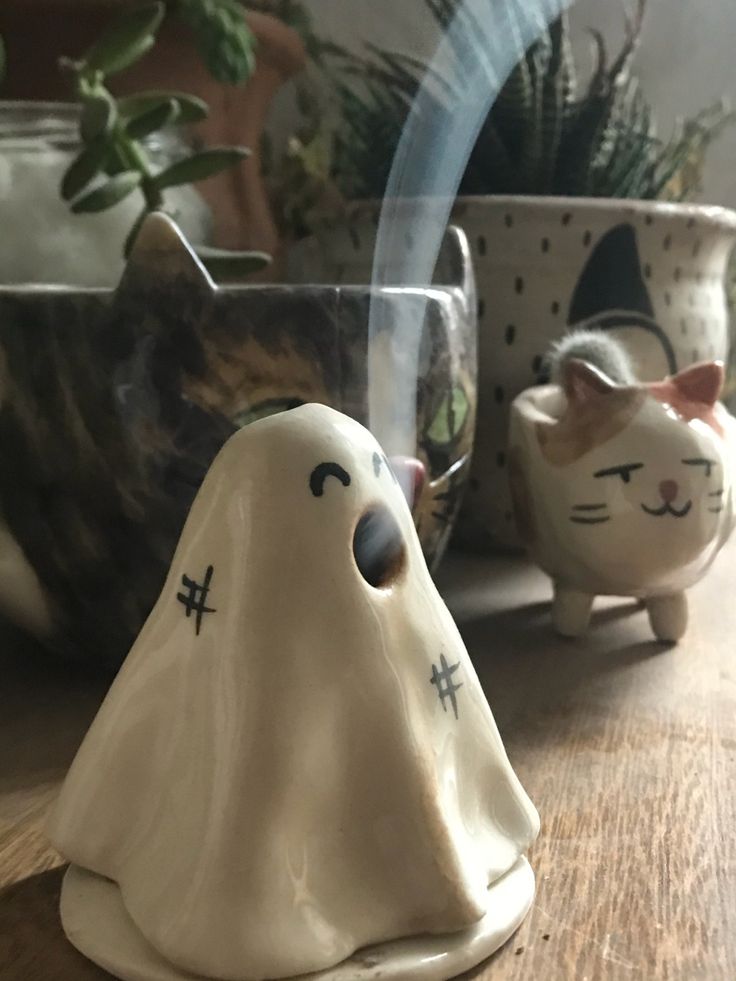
(622,487)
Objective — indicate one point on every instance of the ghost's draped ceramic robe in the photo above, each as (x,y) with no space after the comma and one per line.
(296,763)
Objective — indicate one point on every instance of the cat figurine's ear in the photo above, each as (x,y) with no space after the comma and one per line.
(583,382)
(164,291)
(161,258)
(700,382)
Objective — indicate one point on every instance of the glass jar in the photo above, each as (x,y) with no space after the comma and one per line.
(49,244)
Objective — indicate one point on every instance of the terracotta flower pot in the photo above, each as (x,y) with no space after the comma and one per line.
(39,32)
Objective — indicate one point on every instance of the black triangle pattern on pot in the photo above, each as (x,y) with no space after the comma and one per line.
(611,293)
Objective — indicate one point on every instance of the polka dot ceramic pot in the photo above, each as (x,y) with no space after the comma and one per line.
(652,273)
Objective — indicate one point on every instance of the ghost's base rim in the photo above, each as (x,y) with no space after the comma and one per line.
(96,923)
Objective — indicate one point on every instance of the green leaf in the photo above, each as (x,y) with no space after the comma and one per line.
(225,41)
(87,165)
(200,166)
(155,118)
(225,264)
(129,57)
(116,161)
(129,38)
(513,108)
(98,116)
(108,194)
(191,109)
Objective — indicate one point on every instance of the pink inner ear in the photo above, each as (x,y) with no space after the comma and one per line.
(700,382)
(582,382)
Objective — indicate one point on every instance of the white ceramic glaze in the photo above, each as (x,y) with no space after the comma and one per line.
(623,490)
(97,923)
(317,769)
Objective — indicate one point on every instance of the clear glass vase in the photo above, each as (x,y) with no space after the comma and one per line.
(49,244)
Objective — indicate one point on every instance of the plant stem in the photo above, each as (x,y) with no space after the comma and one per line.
(136,157)
(129,149)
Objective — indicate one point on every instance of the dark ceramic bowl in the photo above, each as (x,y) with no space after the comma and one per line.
(114,404)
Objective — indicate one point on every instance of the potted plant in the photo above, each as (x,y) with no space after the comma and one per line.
(205,48)
(576,210)
(115,401)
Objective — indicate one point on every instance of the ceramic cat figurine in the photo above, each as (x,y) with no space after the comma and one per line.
(621,487)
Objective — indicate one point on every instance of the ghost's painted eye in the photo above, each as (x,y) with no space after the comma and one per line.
(378,547)
(624,471)
(320,474)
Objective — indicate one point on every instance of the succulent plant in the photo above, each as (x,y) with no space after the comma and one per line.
(223,38)
(546,133)
(544,136)
(375,92)
(114,162)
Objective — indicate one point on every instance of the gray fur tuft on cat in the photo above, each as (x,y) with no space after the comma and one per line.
(595,347)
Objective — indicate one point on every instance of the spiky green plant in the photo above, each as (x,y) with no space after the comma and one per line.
(375,92)
(547,132)
(545,136)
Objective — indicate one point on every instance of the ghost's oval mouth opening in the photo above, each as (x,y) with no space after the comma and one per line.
(378,547)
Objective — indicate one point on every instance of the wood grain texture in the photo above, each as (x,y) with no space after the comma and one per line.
(627,747)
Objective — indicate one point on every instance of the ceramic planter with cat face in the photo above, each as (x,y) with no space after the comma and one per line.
(296,771)
(623,490)
(114,403)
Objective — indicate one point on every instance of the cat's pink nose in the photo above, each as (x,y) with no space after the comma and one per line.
(411,475)
(668,490)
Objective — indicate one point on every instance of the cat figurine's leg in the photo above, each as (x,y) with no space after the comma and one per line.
(668,616)
(571,611)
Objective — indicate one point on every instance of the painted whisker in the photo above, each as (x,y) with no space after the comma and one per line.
(588,507)
(717,493)
(580,520)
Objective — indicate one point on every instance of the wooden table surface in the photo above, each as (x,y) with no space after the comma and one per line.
(628,749)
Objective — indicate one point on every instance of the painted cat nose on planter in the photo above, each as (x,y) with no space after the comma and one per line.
(411,475)
(668,490)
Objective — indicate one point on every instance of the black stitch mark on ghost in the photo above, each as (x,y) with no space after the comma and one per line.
(320,474)
(196,599)
(446,687)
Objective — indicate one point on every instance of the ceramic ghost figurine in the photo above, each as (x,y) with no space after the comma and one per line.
(296,772)
(620,487)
